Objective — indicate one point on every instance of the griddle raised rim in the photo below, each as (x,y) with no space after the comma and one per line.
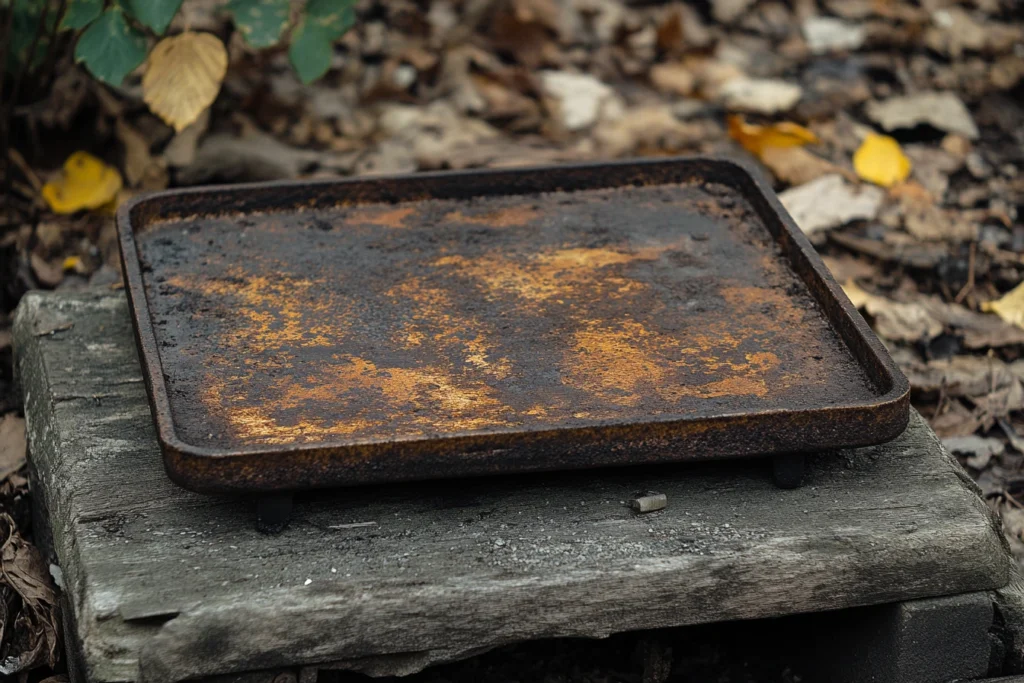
(286,467)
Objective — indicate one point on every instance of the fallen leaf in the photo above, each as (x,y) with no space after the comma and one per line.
(880,160)
(978,450)
(141,169)
(932,166)
(183,76)
(181,150)
(23,571)
(1000,403)
(830,202)
(12,444)
(927,222)
(979,331)
(955,31)
(967,376)
(257,156)
(85,183)
(942,110)
(652,127)
(760,95)
(673,78)
(955,420)
(1010,307)
(581,99)
(756,138)
(727,11)
(49,274)
(894,320)
(828,34)
(796,165)
(845,268)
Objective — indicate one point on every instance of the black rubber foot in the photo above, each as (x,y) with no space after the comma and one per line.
(788,470)
(273,512)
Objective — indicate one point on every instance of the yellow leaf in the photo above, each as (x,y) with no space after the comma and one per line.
(756,138)
(85,183)
(880,160)
(71,263)
(1010,307)
(183,77)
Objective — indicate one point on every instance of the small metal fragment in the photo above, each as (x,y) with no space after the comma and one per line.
(649,502)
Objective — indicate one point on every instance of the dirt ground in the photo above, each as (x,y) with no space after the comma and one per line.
(453,84)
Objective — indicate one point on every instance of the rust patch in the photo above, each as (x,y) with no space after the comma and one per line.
(501,218)
(384,217)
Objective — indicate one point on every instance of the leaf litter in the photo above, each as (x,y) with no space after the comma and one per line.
(926,238)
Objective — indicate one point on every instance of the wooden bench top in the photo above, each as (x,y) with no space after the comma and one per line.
(166,584)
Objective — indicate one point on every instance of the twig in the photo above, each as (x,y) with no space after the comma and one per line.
(1013,501)
(1015,439)
(19,161)
(969,287)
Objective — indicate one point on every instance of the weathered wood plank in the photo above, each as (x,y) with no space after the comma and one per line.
(168,584)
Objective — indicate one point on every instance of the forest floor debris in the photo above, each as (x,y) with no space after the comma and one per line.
(932,258)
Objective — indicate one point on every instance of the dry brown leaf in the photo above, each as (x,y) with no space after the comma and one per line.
(183,76)
(23,570)
(796,166)
(48,273)
(653,127)
(980,331)
(673,78)
(181,150)
(12,444)
(140,167)
(829,202)
(970,376)
(894,320)
(927,222)
(845,268)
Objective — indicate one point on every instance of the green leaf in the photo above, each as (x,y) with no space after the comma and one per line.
(110,48)
(335,17)
(156,14)
(261,22)
(81,13)
(311,51)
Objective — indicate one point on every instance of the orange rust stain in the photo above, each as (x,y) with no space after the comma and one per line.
(624,363)
(501,218)
(415,396)
(612,363)
(383,216)
(560,273)
(277,318)
(440,320)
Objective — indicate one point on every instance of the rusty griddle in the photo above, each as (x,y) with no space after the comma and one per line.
(300,335)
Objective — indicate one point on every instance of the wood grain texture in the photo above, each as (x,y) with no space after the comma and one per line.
(167,584)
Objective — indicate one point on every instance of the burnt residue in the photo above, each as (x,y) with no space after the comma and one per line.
(460,325)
